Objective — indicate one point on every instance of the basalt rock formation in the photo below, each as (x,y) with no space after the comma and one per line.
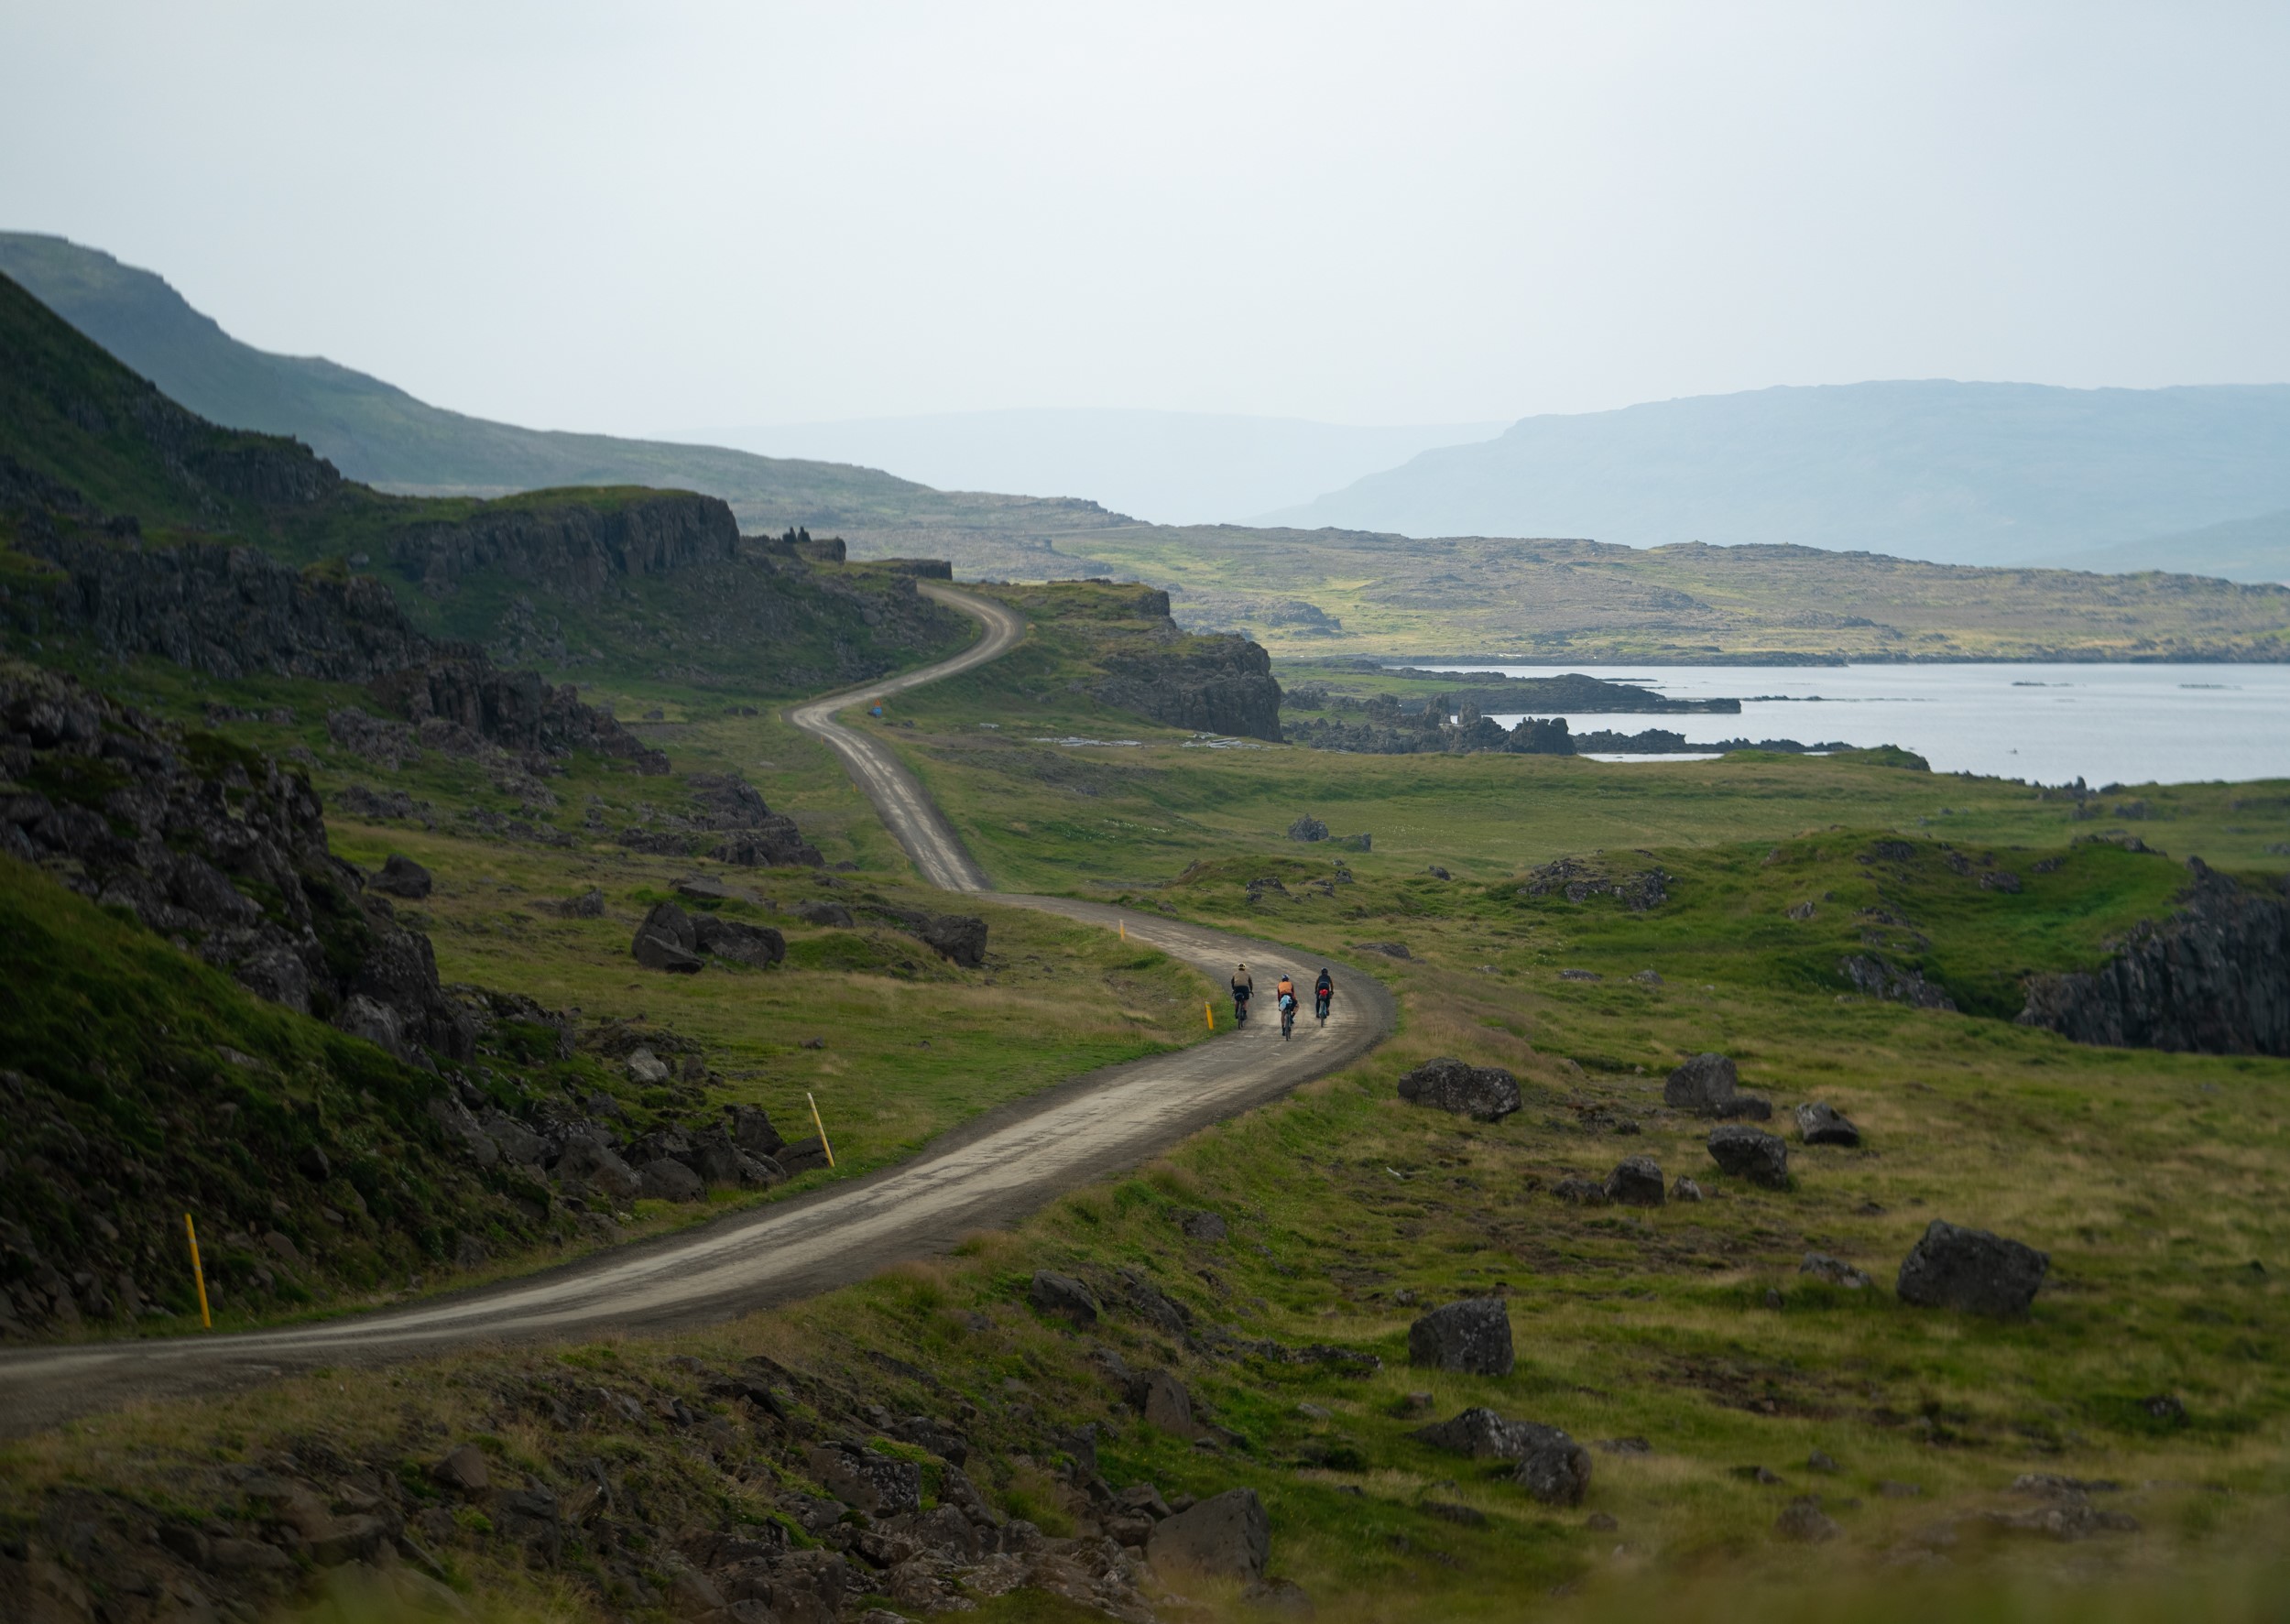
(577,548)
(1213,684)
(2214,978)
(219,849)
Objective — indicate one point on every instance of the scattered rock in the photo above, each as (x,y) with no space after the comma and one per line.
(1307,828)
(1472,1337)
(1972,1270)
(702,888)
(645,1069)
(1161,1400)
(881,1484)
(1483,1434)
(1227,1535)
(465,1470)
(402,877)
(1557,1473)
(1686,1189)
(589,904)
(1803,1521)
(667,940)
(1279,1595)
(1580,975)
(1064,1296)
(1602,1522)
(664,1179)
(1822,1124)
(1820,1460)
(1834,1270)
(759,945)
(2166,1408)
(1707,1086)
(1486,1093)
(1390,950)
(1449,1511)
(830,915)
(1577,1191)
(1647,978)
(1636,1181)
(1436,872)
(1201,1225)
(1751,1153)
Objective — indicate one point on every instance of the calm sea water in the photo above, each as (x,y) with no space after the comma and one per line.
(2047,723)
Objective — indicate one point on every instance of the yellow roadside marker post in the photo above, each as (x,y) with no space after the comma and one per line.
(1210,1010)
(821,1128)
(198,1273)
(1125,928)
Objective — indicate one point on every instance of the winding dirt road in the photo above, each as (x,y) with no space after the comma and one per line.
(990,1171)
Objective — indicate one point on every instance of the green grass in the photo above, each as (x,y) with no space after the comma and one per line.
(2154,1182)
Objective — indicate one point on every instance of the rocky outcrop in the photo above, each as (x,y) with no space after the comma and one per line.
(219,849)
(226,610)
(2214,978)
(1895,984)
(577,546)
(1211,685)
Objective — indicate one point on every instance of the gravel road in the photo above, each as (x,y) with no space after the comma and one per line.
(991,1171)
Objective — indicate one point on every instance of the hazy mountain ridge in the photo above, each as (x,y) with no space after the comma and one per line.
(377,433)
(1953,473)
(1169,467)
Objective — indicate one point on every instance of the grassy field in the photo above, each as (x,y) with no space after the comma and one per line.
(2154,1182)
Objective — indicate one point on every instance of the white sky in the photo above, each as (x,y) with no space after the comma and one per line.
(634,217)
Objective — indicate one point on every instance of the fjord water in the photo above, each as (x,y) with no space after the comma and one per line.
(2047,723)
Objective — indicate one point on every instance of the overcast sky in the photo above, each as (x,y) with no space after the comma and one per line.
(640,217)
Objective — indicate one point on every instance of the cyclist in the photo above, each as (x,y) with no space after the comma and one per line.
(1288,1008)
(1322,991)
(1244,987)
(1287,989)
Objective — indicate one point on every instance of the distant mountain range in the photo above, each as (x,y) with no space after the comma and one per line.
(2189,480)
(1953,473)
(1168,467)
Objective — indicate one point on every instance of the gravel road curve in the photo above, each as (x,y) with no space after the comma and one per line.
(990,1171)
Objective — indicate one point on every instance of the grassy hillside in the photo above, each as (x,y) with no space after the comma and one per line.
(1959,473)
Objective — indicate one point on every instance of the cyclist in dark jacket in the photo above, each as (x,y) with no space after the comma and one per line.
(1322,991)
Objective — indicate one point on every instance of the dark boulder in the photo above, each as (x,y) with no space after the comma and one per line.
(960,937)
(1972,1270)
(1161,1400)
(1064,1296)
(798,1156)
(751,1131)
(1834,1270)
(1227,1535)
(665,1179)
(1636,1181)
(1487,1094)
(1307,828)
(832,915)
(1822,1124)
(1472,1337)
(1557,1472)
(655,952)
(586,1161)
(1483,1434)
(1751,1153)
(1707,1086)
(1201,1225)
(402,877)
(1803,1523)
(759,945)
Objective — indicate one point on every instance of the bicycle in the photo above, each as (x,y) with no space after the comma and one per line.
(1288,1017)
(1240,1011)
(1319,1010)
